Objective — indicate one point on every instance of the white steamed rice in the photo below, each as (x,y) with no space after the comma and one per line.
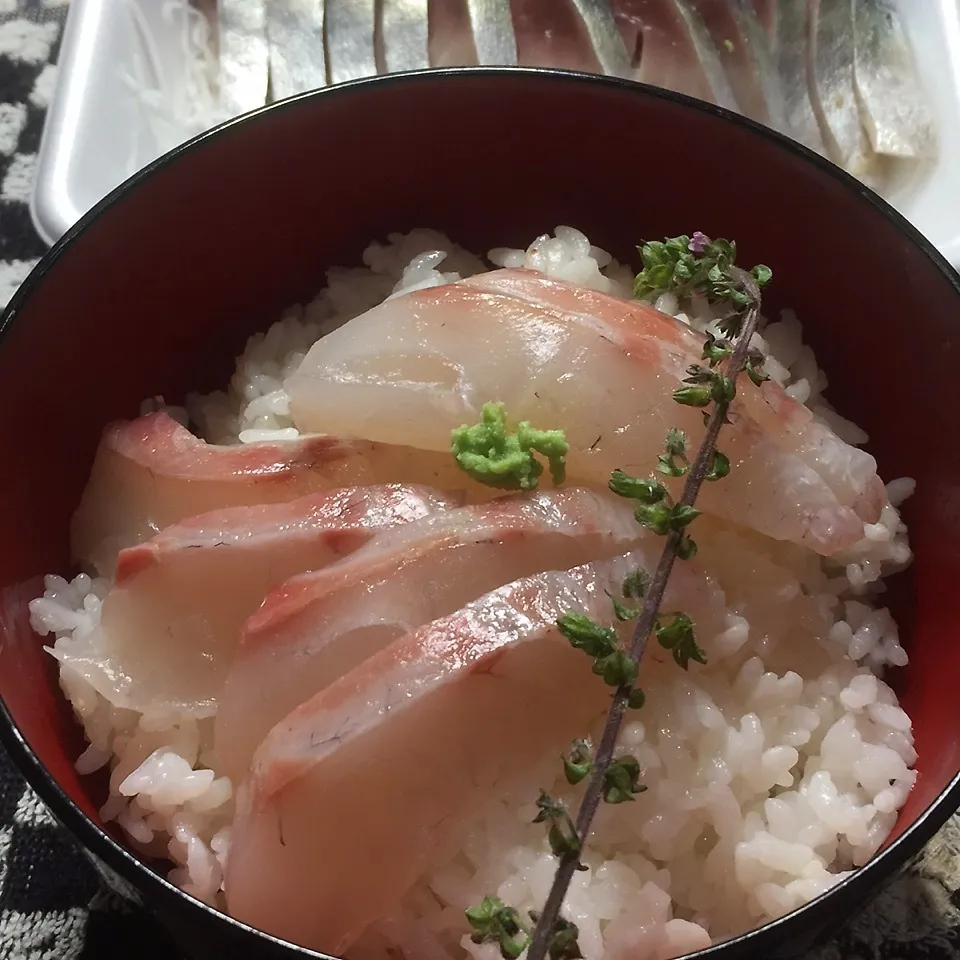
(771,773)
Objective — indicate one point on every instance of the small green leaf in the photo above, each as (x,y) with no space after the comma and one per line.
(616,668)
(681,515)
(655,518)
(719,468)
(761,274)
(636,699)
(692,396)
(676,442)
(622,612)
(549,808)
(715,350)
(562,843)
(564,941)
(635,488)
(579,762)
(494,922)
(669,467)
(621,780)
(635,584)
(679,629)
(687,548)
(724,389)
(584,634)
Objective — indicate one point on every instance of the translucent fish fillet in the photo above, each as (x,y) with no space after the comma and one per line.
(450,34)
(242,53)
(791,52)
(350,39)
(677,52)
(404,35)
(297,57)
(599,367)
(493,35)
(551,34)
(151,472)
(604,37)
(832,88)
(317,626)
(744,51)
(406,745)
(766,13)
(172,620)
(894,108)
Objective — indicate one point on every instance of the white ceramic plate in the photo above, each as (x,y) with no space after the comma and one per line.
(97,135)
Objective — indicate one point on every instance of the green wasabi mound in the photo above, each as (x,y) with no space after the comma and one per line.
(497,457)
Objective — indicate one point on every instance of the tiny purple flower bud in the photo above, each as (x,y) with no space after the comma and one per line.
(698,242)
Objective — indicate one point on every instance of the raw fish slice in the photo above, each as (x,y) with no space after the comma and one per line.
(349,29)
(352,793)
(830,69)
(151,472)
(766,13)
(600,368)
(790,51)
(295,36)
(242,54)
(171,622)
(450,34)
(550,34)
(604,37)
(744,51)
(850,473)
(404,35)
(491,22)
(893,106)
(677,52)
(319,625)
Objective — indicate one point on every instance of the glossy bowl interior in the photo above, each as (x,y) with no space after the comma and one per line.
(156,291)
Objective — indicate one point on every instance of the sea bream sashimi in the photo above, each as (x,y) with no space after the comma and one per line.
(412,740)
(598,367)
(151,472)
(319,625)
(171,621)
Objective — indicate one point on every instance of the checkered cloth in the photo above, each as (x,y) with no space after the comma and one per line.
(51,904)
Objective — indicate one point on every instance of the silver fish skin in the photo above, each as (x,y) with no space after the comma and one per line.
(605,37)
(493,35)
(243,56)
(744,51)
(404,35)
(893,106)
(830,72)
(350,28)
(721,91)
(790,54)
(295,39)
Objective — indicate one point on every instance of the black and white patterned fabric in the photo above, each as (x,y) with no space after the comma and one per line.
(51,904)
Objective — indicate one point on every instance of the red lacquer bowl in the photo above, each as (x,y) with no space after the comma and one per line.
(157,289)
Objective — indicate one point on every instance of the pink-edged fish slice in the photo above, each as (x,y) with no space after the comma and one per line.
(172,620)
(351,794)
(316,627)
(151,472)
(649,336)
(599,367)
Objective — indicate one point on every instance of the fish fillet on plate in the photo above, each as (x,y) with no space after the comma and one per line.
(409,741)
(600,367)
(151,472)
(171,621)
(319,625)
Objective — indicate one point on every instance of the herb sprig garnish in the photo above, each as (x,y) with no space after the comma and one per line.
(686,267)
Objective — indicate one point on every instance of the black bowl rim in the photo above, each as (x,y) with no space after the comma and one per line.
(147,882)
